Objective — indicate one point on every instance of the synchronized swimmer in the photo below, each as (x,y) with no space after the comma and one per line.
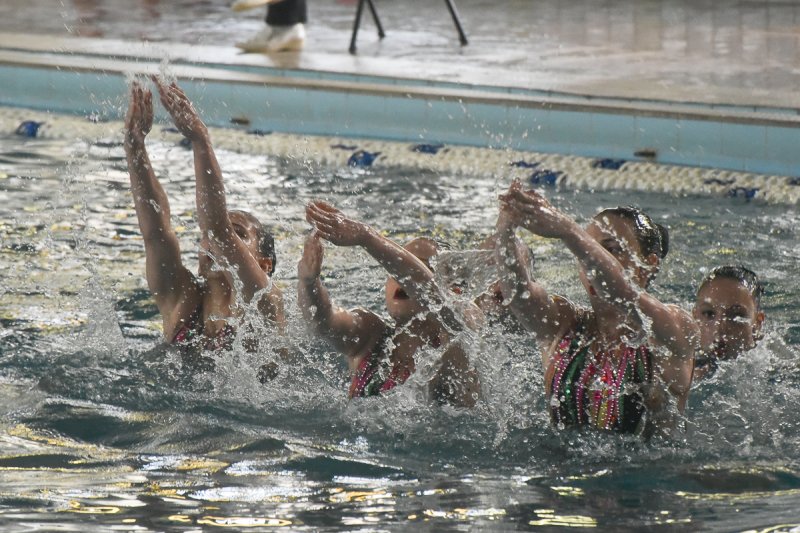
(625,364)
(195,308)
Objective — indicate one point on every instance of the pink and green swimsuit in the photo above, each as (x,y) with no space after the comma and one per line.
(376,374)
(592,389)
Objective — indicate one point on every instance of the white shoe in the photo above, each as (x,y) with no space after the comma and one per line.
(276,39)
(286,38)
(258,42)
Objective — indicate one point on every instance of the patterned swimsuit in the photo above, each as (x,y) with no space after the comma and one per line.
(594,389)
(376,374)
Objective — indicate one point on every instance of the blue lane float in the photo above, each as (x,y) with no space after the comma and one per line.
(28,128)
(362,158)
(538,169)
(737,138)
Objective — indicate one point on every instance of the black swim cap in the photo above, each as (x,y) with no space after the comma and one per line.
(746,278)
(653,238)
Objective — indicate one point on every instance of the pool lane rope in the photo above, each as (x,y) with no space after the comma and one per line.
(536,169)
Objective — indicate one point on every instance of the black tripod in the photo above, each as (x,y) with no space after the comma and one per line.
(381,34)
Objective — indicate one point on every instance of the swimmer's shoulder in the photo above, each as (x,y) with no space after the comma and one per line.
(570,318)
(272,306)
(369,321)
(368,331)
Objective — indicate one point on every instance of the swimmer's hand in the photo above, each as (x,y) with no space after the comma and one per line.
(532,211)
(333,226)
(310,265)
(180,108)
(509,218)
(506,222)
(139,118)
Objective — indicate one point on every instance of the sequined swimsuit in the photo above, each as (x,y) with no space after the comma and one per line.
(376,374)
(594,389)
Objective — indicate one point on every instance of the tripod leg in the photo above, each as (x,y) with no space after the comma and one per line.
(381,33)
(457,21)
(356,23)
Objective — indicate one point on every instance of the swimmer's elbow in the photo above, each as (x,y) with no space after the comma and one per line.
(679,382)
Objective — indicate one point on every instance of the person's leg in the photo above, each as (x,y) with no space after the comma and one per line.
(287,19)
(287,13)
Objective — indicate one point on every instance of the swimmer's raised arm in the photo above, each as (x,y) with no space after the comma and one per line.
(212,210)
(546,316)
(167,278)
(409,271)
(349,331)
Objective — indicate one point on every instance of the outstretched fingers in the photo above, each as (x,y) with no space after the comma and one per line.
(333,225)
(180,108)
(172,97)
(530,202)
(163,88)
(139,117)
(310,264)
(321,209)
(328,230)
(133,105)
(325,206)
(512,205)
(147,110)
(320,213)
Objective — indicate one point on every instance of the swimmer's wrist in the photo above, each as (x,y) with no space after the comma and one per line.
(569,229)
(308,279)
(505,223)
(134,139)
(199,133)
(506,230)
(367,234)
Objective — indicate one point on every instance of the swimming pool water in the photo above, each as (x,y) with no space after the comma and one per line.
(100,431)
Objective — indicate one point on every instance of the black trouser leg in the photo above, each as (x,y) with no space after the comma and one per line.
(287,13)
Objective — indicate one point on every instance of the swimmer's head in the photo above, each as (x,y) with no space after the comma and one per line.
(631,236)
(425,249)
(400,305)
(259,239)
(255,236)
(728,312)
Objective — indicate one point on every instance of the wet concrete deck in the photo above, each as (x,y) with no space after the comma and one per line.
(741,53)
